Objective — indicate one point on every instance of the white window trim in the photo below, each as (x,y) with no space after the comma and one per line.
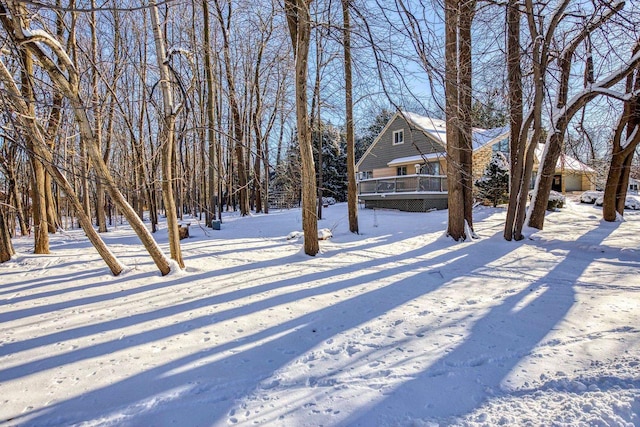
(396,132)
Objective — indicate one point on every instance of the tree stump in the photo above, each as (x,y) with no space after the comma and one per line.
(183,231)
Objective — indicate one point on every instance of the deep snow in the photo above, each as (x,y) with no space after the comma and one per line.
(396,326)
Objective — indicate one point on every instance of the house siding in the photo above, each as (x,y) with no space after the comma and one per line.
(384,151)
(588,182)
(481,158)
(381,173)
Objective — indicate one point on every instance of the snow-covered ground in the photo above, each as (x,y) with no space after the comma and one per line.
(396,326)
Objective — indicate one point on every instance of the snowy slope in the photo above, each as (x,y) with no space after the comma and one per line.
(396,326)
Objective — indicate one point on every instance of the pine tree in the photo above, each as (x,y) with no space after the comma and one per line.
(494,184)
(369,135)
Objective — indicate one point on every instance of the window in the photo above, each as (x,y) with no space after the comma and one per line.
(501,146)
(398,137)
(401,170)
(431,168)
(365,175)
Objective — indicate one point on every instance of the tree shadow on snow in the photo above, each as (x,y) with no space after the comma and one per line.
(204,387)
(477,369)
(218,383)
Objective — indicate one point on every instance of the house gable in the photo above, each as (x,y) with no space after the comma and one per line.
(383,150)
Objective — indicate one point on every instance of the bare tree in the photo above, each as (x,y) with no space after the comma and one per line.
(458,18)
(39,201)
(352,197)
(625,141)
(40,44)
(516,147)
(33,133)
(299,21)
(566,108)
(168,131)
(6,247)
(239,134)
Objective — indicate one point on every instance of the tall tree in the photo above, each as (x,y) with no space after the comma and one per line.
(458,73)
(239,134)
(566,108)
(213,148)
(516,145)
(32,131)
(168,132)
(625,141)
(299,22)
(39,201)
(352,196)
(65,76)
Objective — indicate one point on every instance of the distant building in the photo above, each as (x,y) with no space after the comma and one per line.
(405,166)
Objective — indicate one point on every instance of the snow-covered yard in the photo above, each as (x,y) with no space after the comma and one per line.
(396,326)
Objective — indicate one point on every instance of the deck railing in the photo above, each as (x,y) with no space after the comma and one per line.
(404,184)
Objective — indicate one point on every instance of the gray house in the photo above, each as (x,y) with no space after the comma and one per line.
(405,166)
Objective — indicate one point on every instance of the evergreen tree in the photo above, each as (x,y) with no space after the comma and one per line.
(494,185)
(334,163)
(366,139)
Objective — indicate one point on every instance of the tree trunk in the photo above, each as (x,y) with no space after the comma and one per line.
(6,247)
(516,145)
(615,192)
(299,22)
(38,189)
(69,84)
(465,73)
(211,113)
(455,228)
(168,145)
(40,148)
(238,131)
(352,196)
(566,109)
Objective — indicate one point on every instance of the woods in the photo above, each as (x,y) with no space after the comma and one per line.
(126,112)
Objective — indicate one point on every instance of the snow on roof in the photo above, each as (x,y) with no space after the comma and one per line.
(415,159)
(565,162)
(438,129)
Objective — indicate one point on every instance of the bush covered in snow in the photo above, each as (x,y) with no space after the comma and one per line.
(328,201)
(556,201)
(590,196)
(631,202)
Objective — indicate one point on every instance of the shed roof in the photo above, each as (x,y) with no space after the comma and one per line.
(565,162)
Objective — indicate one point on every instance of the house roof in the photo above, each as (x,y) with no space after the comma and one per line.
(565,162)
(437,129)
(414,159)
